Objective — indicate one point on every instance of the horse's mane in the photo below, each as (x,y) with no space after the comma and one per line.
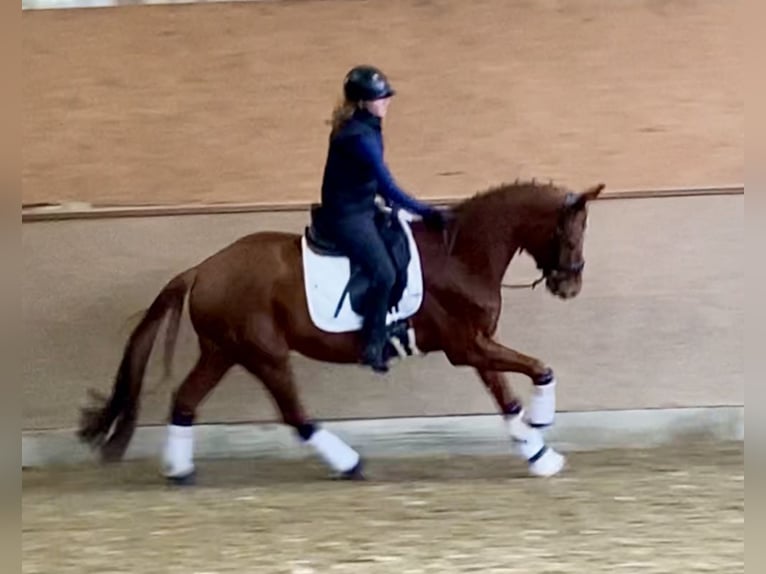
(499,206)
(500,195)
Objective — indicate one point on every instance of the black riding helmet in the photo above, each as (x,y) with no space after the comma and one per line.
(365,83)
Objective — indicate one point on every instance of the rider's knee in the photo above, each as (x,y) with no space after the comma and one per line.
(385,275)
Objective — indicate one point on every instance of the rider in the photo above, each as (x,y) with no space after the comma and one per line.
(354,173)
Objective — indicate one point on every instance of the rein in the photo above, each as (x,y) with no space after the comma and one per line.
(448,240)
(531,285)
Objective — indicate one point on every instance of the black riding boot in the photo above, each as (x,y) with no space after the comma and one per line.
(375,335)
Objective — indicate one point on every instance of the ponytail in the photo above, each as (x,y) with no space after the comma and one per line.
(341,113)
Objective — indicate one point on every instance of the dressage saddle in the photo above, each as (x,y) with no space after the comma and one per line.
(397,244)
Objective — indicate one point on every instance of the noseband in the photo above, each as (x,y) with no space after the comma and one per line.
(553,272)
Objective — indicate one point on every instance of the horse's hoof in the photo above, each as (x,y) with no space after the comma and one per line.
(356,473)
(185,480)
(549,464)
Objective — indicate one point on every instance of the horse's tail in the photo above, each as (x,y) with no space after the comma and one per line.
(121,408)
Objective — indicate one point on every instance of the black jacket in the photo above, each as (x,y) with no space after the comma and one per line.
(355,172)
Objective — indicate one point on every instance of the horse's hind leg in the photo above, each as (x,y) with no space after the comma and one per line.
(277,377)
(178,454)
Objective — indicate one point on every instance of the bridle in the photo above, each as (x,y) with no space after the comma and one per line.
(558,269)
(552,272)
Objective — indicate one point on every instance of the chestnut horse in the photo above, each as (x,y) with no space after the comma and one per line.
(248,306)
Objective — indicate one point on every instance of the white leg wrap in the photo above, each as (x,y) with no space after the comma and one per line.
(178,455)
(542,405)
(333,451)
(528,442)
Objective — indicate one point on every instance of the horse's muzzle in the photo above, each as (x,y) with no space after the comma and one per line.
(564,285)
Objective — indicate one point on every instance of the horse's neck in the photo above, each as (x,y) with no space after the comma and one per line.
(485,248)
(492,227)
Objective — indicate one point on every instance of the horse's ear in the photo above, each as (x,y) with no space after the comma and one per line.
(592,192)
(588,195)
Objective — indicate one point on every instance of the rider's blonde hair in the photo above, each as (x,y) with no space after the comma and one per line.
(341,113)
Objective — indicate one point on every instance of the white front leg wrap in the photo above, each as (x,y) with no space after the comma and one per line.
(542,405)
(333,451)
(178,455)
(528,442)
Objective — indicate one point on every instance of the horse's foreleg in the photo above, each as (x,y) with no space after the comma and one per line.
(497,385)
(278,378)
(527,441)
(486,354)
(178,454)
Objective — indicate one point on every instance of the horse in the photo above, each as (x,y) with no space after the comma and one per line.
(248,306)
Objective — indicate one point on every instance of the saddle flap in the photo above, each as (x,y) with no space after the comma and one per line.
(335,291)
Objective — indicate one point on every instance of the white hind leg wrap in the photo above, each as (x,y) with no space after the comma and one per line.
(178,454)
(333,451)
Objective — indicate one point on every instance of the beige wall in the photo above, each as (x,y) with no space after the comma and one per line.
(658,324)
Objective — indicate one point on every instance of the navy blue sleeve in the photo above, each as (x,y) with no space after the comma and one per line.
(369,151)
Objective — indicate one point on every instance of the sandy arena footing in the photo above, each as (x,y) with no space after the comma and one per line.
(673,510)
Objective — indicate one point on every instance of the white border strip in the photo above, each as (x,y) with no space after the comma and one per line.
(78,4)
(402,437)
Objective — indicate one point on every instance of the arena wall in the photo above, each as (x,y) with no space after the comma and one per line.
(658,324)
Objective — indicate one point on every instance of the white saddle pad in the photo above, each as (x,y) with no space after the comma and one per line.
(326,277)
